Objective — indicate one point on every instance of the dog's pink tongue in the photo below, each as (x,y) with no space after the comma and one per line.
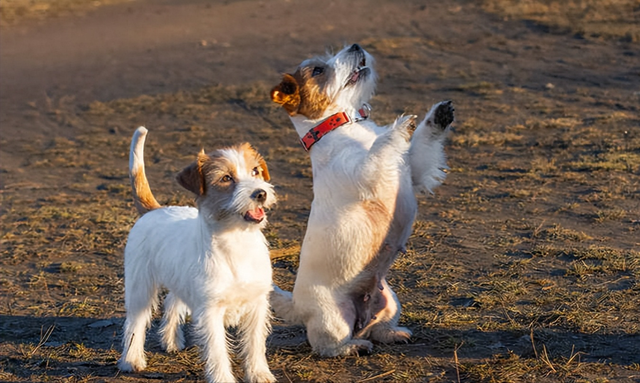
(256,214)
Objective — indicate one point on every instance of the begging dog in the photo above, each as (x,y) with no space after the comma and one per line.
(364,182)
(213,260)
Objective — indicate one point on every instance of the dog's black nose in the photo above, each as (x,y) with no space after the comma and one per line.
(259,195)
(355,48)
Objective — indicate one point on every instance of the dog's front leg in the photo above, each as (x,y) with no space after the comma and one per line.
(426,155)
(254,329)
(211,332)
(386,155)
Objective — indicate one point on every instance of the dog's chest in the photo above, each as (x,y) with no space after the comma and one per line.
(249,284)
(243,265)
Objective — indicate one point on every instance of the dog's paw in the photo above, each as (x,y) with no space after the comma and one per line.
(443,114)
(172,338)
(358,347)
(132,366)
(173,347)
(260,377)
(392,335)
(350,347)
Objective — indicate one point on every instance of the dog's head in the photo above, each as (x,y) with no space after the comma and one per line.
(230,185)
(321,86)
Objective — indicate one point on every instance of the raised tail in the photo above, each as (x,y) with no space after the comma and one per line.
(142,196)
(282,304)
(426,155)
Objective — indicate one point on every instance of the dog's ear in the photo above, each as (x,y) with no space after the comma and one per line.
(264,171)
(287,94)
(192,177)
(253,155)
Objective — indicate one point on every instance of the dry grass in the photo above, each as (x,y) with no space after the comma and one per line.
(15,11)
(474,281)
(618,19)
(524,267)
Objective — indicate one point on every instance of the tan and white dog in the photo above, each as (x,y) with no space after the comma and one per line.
(213,260)
(364,206)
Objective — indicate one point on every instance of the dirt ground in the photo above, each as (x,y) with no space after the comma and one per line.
(523,267)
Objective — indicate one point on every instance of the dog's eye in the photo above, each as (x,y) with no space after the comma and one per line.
(226,179)
(255,172)
(316,71)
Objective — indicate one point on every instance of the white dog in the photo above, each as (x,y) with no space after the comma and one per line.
(213,260)
(364,178)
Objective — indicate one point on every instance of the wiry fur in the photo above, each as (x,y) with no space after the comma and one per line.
(213,260)
(364,178)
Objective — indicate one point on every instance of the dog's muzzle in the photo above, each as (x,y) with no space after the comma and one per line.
(361,69)
(256,215)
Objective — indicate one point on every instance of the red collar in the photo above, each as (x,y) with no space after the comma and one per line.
(333,122)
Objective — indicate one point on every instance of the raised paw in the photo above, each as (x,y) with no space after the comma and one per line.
(443,115)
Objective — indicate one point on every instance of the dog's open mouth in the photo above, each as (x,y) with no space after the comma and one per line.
(256,215)
(355,75)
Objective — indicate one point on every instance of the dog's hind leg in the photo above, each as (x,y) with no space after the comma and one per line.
(175,311)
(254,329)
(330,328)
(282,304)
(140,301)
(328,343)
(426,155)
(386,330)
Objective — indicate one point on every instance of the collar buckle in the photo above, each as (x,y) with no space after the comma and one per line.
(363,113)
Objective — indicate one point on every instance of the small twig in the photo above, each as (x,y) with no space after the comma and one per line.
(533,343)
(284,371)
(43,338)
(537,230)
(456,361)
(573,356)
(377,376)
(303,359)
(545,359)
(504,309)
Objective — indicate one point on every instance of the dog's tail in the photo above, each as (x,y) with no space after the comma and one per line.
(426,154)
(142,196)
(282,304)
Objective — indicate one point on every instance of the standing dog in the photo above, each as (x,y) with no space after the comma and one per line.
(213,260)
(364,206)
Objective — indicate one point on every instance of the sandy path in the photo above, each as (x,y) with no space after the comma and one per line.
(147,47)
